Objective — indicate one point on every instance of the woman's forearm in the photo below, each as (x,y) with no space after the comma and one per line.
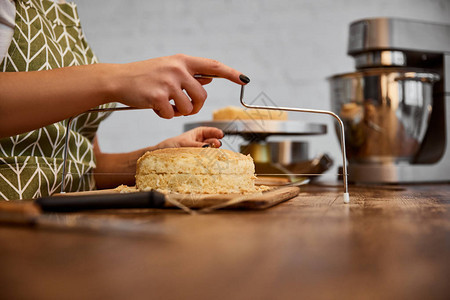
(30,100)
(114,169)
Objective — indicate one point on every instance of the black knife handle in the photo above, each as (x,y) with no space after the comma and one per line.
(151,199)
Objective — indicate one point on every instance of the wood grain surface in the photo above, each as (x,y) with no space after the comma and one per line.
(390,242)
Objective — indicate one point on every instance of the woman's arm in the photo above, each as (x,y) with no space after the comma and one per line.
(114,169)
(30,100)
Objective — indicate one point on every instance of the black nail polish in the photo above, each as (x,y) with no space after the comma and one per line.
(220,143)
(206,146)
(244,78)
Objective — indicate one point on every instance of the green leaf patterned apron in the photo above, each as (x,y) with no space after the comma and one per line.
(48,35)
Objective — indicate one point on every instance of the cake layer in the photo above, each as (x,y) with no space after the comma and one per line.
(197,184)
(237,113)
(194,161)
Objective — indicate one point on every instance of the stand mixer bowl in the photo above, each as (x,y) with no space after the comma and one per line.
(385,112)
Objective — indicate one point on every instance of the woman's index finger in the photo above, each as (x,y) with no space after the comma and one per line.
(206,66)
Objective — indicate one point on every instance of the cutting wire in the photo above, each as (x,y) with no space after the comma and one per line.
(315,111)
(256,174)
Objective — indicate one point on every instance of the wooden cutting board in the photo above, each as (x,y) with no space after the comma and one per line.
(234,201)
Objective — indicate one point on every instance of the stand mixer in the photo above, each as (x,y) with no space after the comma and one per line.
(396,106)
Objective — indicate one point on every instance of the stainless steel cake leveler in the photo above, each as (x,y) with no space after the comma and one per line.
(251,106)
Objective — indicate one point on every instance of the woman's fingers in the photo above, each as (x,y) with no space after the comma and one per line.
(215,143)
(204,133)
(197,137)
(182,102)
(204,81)
(206,66)
(165,110)
(197,94)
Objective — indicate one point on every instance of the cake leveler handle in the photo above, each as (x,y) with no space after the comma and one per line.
(151,199)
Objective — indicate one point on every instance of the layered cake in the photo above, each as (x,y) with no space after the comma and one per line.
(196,171)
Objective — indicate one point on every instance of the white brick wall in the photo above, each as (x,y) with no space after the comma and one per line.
(287,48)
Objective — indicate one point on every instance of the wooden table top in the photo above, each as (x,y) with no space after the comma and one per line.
(390,242)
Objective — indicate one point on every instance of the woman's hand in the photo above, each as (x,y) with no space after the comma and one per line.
(155,82)
(196,137)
